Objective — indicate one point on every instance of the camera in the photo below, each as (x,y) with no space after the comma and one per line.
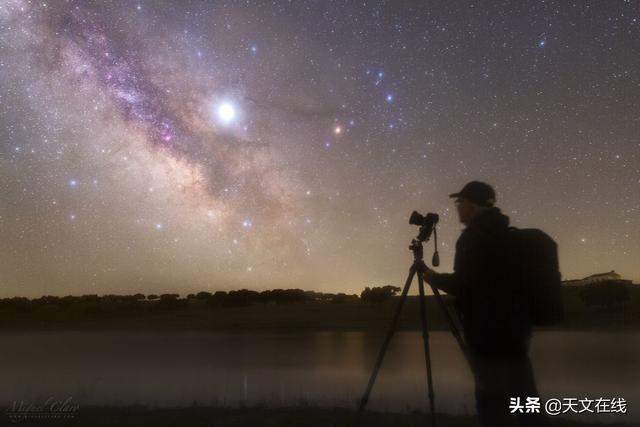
(427,225)
(429,220)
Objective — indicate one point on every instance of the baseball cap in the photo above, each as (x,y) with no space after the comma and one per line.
(478,192)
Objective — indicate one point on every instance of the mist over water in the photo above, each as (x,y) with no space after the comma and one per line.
(326,369)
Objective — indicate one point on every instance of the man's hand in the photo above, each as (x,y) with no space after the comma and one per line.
(428,274)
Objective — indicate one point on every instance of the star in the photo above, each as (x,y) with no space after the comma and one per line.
(226,113)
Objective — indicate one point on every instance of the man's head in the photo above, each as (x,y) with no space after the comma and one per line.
(474,197)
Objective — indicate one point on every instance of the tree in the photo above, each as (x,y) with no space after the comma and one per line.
(286,296)
(20,304)
(170,302)
(341,297)
(240,298)
(90,298)
(378,294)
(217,298)
(203,295)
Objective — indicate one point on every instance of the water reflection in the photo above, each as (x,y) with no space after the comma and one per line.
(329,369)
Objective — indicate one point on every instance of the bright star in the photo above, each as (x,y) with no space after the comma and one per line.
(226,112)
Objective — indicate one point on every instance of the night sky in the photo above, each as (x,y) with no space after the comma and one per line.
(186,146)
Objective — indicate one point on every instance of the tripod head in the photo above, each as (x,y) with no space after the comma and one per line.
(427,225)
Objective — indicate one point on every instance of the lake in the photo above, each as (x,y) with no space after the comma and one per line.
(327,369)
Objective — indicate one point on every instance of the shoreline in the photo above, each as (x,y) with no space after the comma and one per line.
(301,414)
(314,316)
(152,329)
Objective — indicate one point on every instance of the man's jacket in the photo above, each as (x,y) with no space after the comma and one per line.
(481,285)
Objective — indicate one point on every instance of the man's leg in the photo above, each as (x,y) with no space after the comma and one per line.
(492,403)
(521,383)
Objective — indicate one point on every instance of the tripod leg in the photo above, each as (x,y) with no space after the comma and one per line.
(383,349)
(454,329)
(427,353)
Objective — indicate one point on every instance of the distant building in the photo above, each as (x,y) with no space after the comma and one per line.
(597,278)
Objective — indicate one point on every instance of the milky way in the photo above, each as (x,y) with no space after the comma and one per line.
(181,146)
(120,74)
(138,100)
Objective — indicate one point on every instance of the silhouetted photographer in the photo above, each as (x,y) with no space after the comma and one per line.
(505,280)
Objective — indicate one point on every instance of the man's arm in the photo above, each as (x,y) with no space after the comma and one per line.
(466,267)
(448,282)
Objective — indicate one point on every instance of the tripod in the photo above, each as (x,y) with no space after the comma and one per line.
(418,267)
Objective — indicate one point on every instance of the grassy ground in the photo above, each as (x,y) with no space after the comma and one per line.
(260,416)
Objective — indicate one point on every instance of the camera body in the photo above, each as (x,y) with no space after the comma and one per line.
(427,225)
(426,222)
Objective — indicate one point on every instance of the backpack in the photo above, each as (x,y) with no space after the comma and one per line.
(533,272)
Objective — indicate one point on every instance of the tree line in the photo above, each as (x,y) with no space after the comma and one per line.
(605,294)
(234,298)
